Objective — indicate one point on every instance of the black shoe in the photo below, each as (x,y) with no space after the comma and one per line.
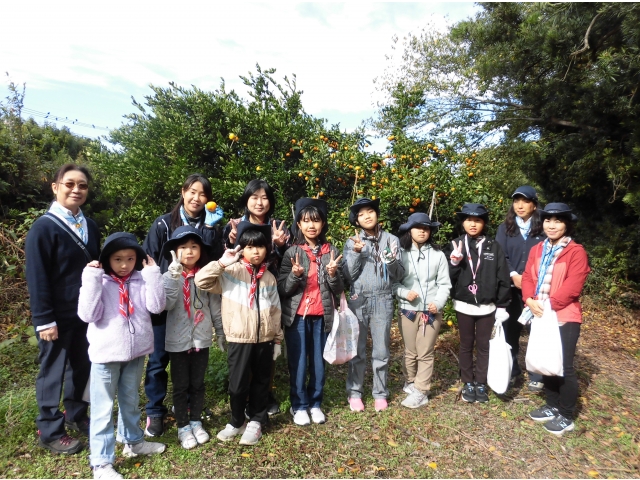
(82,426)
(65,445)
(482,396)
(469,392)
(155,426)
(559,425)
(273,409)
(544,414)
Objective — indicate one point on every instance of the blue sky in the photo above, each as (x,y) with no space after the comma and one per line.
(85,60)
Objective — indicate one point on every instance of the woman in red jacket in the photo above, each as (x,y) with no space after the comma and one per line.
(556,271)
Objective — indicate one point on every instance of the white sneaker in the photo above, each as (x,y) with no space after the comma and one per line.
(105,470)
(143,448)
(230,431)
(300,417)
(187,440)
(199,432)
(317,415)
(408,388)
(415,399)
(252,434)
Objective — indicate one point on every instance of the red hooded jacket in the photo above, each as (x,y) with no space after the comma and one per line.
(569,274)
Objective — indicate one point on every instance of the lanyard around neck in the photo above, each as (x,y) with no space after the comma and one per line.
(479,247)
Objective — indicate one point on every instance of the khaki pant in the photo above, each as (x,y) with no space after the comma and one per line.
(419,351)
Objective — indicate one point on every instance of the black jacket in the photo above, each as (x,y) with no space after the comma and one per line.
(159,232)
(493,280)
(516,249)
(54,264)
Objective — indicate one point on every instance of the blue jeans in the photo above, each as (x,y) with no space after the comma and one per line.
(374,312)
(106,379)
(305,339)
(155,382)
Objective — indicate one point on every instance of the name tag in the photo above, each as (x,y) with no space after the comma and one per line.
(488,256)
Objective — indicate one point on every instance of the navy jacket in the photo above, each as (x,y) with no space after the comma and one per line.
(54,264)
(159,233)
(516,249)
(493,280)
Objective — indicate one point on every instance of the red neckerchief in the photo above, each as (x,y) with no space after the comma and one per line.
(124,294)
(254,278)
(315,255)
(186,289)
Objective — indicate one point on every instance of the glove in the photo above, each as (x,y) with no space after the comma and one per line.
(175,267)
(277,350)
(222,343)
(501,314)
(389,254)
(213,217)
(229,257)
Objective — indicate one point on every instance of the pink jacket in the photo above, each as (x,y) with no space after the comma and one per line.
(569,274)
(112,338)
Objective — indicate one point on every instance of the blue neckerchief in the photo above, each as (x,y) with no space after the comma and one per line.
(74,221)
(525,227)
(185,219)
(548,253)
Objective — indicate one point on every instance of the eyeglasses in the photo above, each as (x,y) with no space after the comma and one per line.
(72,185)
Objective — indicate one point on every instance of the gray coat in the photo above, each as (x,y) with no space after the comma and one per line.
(291,287)
(182,334)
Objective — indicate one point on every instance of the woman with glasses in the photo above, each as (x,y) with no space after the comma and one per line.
(59,245)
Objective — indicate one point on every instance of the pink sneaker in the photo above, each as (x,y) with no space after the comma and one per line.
(356,404)
(380,404)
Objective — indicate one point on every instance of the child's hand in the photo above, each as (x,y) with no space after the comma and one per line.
(535,306)
(222,343)
(332,266)
(501,314)
(411,296)
(456,255)
(229,257)
(432,308)
(94,264)
(175,267)
(234,231)
(148,262)
(389,254)
(278,235)
(277,350)
(296,268)
(358,244)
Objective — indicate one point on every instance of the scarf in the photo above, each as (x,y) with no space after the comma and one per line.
(525,227)
(379,267)
(549,256)
(186,294)
(75,221)
(125,299)
(254,278)
(315,255)
(187,220)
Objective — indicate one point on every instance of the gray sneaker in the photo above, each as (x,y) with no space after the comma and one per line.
(252,434)
(559,425)
(415,399)
(544,414)
(230,431)
(143,448)
(535,387)
(408,388)
(105,470)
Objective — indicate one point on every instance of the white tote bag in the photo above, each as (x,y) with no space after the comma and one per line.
(342,342)
(500,361)
(544,353)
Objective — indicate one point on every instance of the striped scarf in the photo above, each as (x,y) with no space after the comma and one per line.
(549,256)
(254,278)
(186,289)
(125,299)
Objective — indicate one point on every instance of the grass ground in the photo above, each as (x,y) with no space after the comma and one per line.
(446,438)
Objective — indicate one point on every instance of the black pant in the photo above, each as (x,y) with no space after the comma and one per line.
(475,329)
(512,331)
(64,363)
(562,392)
(249,375)
(187,374)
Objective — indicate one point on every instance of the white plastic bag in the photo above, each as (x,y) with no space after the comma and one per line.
(544,353)
(342,342)
(500,361)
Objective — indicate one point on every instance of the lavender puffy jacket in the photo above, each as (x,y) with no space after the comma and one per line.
(112,338)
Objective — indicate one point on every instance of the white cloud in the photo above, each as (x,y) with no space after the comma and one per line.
(336,50)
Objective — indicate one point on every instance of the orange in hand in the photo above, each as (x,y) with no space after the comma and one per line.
(211,206)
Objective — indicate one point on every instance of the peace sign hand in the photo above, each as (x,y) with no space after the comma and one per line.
(332,266)
(358,244)
(456,255)
(229,257)
(149,262)
(175,267)
(278,235)
(234,231)
(296,268)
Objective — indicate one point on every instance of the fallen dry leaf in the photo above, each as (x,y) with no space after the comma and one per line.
(341,470)
(245,455)
(351,461)
(433,465)
(391,443)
